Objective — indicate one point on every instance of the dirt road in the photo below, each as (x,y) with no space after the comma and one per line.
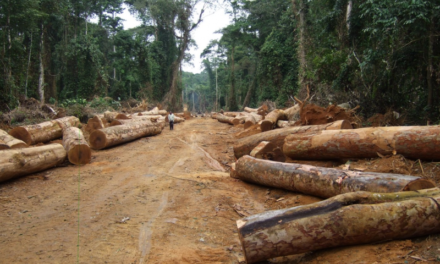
(161,199)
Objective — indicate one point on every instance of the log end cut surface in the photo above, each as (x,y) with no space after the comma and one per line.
(22,134)
(266,125)
(80,155)
(98,140)
(419,184)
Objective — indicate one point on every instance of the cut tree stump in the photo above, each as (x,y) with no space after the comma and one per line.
(18,162)
(271,119)
(414,142)
(245,145)
(268,151)
(323,182)
(9,142)
(345,220)
(111,136)
(44,132)
(77,148)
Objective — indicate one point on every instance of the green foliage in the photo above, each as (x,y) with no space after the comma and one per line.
(70,102)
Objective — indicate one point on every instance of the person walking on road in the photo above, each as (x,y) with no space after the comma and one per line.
(171,120)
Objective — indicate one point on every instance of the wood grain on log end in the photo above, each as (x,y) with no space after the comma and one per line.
(22,134)
(80,155)
(419,184)
(266,125)
(97,140)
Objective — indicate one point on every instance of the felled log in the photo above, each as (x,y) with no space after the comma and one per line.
(77,148)
(414,142)
(111,136)
(323,182)
(45,131)
(345,220)
(251,120)
(244,146)
(268,151)
(225,119)
(255,129)
(152,118)
(95,122)
(271,119)
(292,112)
(19,162)
(251,110)
(110,116)
(9,142)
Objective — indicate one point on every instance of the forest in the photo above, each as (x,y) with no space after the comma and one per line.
(382,55)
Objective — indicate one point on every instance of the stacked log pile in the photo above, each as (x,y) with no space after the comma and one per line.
(106,130)
(371,205)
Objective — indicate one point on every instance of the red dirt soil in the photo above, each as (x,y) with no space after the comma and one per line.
(166,199)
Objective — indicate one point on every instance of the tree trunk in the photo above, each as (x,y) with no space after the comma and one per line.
(414,142)
(19,162)
(271,119)
(250,131)
(232,100)
(95,123)
(41,78)
(430,69)
(244,146)
(153,119)
(268,151)
(299,10)
(44,132)
(77,148)
(27,68)
(251,120)
(344,220)
(9,142)
(111,136)
(225,119)
(323,182)
(110,116)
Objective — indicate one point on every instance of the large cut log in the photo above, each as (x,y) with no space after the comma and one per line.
(251,110)
(152,118)
(44,132)
(7,141)
(414,142)
(95,122)
(244,146)
(323,182)
(77,148)
(110,116)
(271,119)
(255,129)
(225,119)
(345,220)
(285,123)
(252,119)
(268,151)
(19,162)
(111,136)
(292,112)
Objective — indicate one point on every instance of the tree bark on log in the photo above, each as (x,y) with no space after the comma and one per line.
(44,132)
(152,118)
(344,220)
(250,131)
(19,162)
(414,142)
(251,110)
(95,122)
(292,112)
(9,142)
(225,119)
(251,120)
(268,151)
(77,148)
(284,123)
(271,119)
(244,146)
(323,182)
(110,116)
(111,136)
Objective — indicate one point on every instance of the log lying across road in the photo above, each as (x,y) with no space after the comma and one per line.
(244,146)
(414,142)
(323,182)
(111,136)
(345,220)
(44,132)
(7,141)
(19,162)
(77,148)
